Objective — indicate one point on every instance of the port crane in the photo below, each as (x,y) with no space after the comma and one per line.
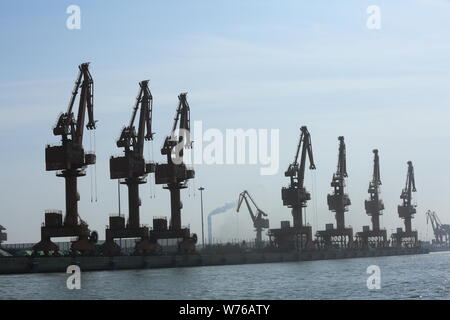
(133,170)
(441,231)
(174,175)
(295,196)
(338,203)
(70,160)
(374,208)
(259,222)
(407,210)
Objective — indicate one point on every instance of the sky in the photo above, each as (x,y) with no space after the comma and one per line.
(245,64)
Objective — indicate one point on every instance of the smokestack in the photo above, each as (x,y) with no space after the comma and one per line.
(219,210)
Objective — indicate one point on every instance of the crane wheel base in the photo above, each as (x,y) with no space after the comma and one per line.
(110,248)
(148,246)
(187,245)
(46,246)
(83,245)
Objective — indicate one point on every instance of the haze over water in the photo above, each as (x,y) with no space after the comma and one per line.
(402,277)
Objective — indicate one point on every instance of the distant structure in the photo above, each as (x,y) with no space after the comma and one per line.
(338,203)
(70,160)
(441,231)
(406,212)
(295,196)
(374,208)
(3,235)
(259,222)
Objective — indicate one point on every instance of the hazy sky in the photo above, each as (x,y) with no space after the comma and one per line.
(246,64)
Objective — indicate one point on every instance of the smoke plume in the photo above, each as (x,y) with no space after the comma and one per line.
(218,210)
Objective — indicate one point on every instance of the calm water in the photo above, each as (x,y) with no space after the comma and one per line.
(403,277)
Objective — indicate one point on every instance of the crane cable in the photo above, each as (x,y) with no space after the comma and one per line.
(95,170)
(152,159)
(150,156)
(313,189)
(90,169)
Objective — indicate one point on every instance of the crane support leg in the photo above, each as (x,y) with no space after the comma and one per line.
(175,208)
(72,197)
(133,203)
(408,227)
(340,220)
(297,216)
(376,223)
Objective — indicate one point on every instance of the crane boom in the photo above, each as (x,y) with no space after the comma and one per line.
(342,159)
(129,139)
(145,119)
(66,125)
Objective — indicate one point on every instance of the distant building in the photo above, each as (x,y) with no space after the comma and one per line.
(3,235)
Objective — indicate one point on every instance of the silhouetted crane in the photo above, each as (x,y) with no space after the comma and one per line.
(339,201)
(71,159)
(174,174)
(295,195)
(132,168)
(407,209)
(406,212)
(374,206)
(441,231)
(259,222)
